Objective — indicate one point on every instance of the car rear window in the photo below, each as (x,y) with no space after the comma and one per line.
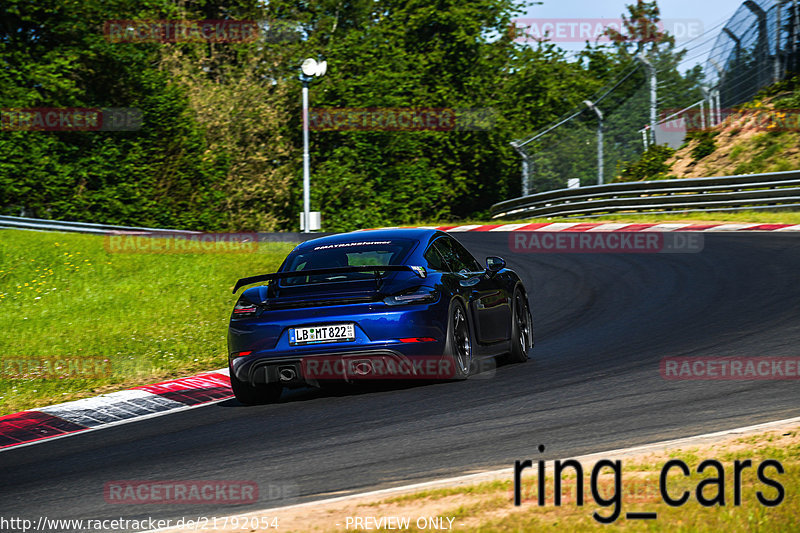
(351,253)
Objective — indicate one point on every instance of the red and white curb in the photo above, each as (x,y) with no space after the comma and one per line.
(112,409)
(616,226)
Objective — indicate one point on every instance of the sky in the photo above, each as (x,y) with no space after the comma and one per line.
(696,23)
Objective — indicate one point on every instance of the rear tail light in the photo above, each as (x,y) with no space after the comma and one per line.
(240,354)
(243,308)
(417,296)
(418,339)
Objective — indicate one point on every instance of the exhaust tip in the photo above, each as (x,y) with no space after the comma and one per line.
(287,373)
(362,368)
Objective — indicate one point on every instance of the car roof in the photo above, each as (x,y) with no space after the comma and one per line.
(416,234)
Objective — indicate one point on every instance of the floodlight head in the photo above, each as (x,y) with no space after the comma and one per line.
(594,108)
(309,67)
(313,68)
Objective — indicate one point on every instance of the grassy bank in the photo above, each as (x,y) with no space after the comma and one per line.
(488,506)
(640,482)
(152,314)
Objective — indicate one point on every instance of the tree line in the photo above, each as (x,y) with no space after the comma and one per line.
(219,147)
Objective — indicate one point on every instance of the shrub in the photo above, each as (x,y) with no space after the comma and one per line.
(652,165)
(705,143)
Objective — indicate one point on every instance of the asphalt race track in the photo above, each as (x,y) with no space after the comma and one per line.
(603,323)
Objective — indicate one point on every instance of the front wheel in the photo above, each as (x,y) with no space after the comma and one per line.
(521,329)
(458,348)
(255,394)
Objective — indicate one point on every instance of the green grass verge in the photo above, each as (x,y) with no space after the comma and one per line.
(152,315)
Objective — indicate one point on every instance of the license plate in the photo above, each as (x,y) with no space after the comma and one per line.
(322,334)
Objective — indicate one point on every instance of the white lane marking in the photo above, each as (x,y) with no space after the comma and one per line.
(731,227)
(468,227)
(557,226)
(665,227)
(113,407)
(510,227)
(112,424)
(72,409)
(492,474)
(608,227)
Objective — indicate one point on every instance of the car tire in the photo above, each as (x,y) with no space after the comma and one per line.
(255,394)
(521,329)
(458,349)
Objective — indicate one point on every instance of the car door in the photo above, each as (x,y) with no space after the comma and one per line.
(489,301)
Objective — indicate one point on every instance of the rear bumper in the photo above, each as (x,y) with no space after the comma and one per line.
(378,344)
(375,323)
(346,366)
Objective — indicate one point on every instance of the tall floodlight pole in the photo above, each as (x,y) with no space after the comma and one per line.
(653,95)
(306,164)
(710,102)
(526,184)
(519,146)
(599,114)
(310,68)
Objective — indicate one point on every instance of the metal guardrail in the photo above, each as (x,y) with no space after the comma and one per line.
(774,190)
(78,227)
(39,224)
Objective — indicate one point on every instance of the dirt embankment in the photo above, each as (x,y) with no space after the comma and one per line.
(757,140)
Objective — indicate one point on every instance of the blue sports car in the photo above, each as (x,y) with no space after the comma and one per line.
(393,303)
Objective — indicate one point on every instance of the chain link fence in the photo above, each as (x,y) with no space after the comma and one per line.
(757,47)
(592,144)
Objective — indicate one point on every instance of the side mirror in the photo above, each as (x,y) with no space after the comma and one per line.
(495,264)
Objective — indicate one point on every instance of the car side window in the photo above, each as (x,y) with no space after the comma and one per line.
(447,254)
(456,255)
(465,258)
(434,259)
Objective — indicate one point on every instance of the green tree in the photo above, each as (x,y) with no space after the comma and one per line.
(55,55)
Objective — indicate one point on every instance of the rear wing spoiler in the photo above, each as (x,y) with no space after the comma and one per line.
(418,270)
